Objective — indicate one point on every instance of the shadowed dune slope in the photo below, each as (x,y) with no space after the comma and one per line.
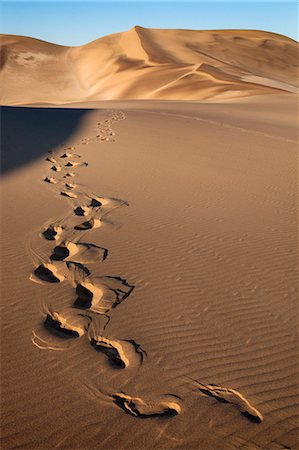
(28,133)
(149,64)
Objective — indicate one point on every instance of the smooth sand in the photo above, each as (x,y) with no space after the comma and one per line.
(169,268)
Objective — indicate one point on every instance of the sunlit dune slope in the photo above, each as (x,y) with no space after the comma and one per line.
(149,64)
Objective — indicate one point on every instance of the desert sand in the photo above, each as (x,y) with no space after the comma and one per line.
(149,252)
(149,64)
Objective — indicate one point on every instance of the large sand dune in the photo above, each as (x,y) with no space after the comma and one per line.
(149,64)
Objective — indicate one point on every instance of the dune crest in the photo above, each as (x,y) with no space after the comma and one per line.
(149,64)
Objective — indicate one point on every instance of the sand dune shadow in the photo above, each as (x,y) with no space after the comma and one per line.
(28,133)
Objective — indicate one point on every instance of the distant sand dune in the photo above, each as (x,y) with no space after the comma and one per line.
(149,64)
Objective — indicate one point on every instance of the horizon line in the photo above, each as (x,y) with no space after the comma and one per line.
(149,28)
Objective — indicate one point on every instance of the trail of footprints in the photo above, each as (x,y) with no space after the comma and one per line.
(98,296)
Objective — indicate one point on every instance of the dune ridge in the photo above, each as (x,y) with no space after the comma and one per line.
(149,64)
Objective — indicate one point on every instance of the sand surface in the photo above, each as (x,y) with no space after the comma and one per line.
(149,285)
(149,64)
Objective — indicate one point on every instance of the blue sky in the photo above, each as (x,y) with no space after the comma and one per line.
(78,22)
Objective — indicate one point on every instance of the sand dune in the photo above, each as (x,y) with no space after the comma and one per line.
(149,64)
(149,254)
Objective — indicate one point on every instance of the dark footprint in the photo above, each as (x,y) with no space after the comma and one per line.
(121,353)
(68,194)
(52,232)
(48,273)
(50,180)
(72,164)
(69,155)
(233,397)
(66,328)
(165,407)
(75,164)
(102,294)
(56,168)
(85,253)
(70,185)
(82,211)
(51,160)
(95,203)
(92,223)
(69,174)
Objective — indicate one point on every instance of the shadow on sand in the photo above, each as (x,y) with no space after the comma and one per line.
(28,133)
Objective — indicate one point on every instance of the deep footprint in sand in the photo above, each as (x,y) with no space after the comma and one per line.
(48,273)
(51,160)
(69,174)
(69,155)
(92,223)
(52,232)
(98,202)
(70,185)
(82,211)
(167,406)
(67,326)
(233,397)
(75,164)
(56,168)
(84,253)
(121,353)
(68,194)
(77,271)
(50,180)
(72,164)
(101,294)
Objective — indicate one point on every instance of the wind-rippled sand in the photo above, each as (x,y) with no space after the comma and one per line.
(149,284)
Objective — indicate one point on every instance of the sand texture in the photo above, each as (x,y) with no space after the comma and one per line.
(149,284)
(149,64)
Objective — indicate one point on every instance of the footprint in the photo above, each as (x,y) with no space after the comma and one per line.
(82,211)
(70,185)
(48,273)
(50,180)
(75,164)
(120,353)
(69,155)
(69,174)
(52,232)
(168,406)
(68,194)
(72,164)
(92,223)
(67,327)
(102,294)
(56,168)
(77,270)
(85,253)
(233,397)
(51,160)
(95,202)
(98,202)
